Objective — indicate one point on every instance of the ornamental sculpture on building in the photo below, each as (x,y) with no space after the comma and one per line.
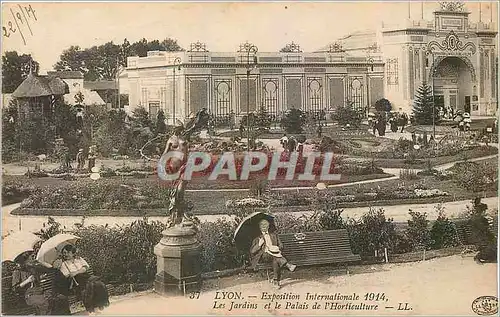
(291,48)
(198,47)
(336,48)
(452,6)
(452,43)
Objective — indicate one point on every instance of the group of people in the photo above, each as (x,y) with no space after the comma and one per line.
(291,144)
(70,276)
(81,158)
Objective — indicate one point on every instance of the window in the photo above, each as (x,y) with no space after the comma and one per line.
(315,94)
(270,87)
(356,94)
(392,71)
(163,98)
(154,108)
(223,97)
(144,96)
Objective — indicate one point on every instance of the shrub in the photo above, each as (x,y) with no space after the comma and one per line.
(408,174)
(347,115)
(418,231)
(480,224)
(372,232)
(475,176)
(15,191)
(293,121)
(218,250)
(443,232)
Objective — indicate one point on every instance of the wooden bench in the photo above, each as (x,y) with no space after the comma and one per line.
(14,304)
(316,248)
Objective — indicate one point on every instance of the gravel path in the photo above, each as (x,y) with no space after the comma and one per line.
(444,286)
(399,213)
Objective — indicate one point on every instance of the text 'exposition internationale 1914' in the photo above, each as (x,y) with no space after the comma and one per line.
(236,301)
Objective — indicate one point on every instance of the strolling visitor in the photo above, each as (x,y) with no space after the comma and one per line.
(242,129)
(403,121)
(92,157)
(284,141)
(80,159)
(267,248)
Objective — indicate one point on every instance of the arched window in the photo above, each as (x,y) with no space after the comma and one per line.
(356,93)
(223,97)
(315,94)
(271,95)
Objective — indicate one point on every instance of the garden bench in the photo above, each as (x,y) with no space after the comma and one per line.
(316,248)
(13,304)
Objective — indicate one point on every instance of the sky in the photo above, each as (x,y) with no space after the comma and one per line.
(221,25)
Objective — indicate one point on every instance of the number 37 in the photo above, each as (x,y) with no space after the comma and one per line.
(194,295)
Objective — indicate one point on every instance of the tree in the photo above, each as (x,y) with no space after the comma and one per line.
(383,105)
(347,115)
(263,119)
(170,45)
(423,106)
(102,62)
(161,127)
(15,69)
(293,121)
(310,124)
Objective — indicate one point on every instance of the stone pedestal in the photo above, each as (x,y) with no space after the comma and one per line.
(178,262)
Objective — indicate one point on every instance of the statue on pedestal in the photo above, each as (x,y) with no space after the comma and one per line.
(179,142)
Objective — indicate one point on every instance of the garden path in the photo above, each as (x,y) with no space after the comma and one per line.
(399,213)
(441,286)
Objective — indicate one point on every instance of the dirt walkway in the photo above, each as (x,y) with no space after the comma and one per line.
(445,286)
(399,213)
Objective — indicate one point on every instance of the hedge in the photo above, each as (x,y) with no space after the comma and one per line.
(124,254)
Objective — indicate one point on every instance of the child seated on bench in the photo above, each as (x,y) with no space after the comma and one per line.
(267,247)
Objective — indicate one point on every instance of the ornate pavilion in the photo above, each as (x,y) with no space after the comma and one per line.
(456,57)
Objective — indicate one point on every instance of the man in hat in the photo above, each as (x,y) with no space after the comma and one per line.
(267,247)
(80,159)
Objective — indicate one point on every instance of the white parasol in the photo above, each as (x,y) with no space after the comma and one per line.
(51,249)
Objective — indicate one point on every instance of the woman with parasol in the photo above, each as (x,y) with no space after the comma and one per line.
(27,275)
(89,289)
(259,229)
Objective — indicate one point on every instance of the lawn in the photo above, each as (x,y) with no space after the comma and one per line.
(138,197)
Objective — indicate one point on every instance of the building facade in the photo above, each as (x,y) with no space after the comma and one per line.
(457,58)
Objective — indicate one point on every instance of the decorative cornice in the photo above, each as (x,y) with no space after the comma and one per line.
(407,32)
(282,65)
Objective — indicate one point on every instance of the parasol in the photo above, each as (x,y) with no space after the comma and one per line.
(50,249)
(248,229)
(18,243)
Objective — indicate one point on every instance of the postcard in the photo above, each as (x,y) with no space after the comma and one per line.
(250,158)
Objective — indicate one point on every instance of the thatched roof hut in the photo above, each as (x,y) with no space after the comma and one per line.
(41,86)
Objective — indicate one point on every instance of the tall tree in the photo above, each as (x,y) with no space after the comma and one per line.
(423,106)
(170,45)
(102,62)
(293,121)
(15,68)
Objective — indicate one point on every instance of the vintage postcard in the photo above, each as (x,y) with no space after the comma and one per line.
(250,158)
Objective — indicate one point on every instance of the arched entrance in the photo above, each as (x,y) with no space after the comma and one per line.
(453,80)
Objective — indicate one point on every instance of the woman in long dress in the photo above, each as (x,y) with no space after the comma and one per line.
(26,281)
(89,289)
